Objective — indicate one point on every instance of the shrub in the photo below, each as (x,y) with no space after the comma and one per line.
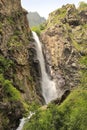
(10,92)
(82,5)
(5,64)
(70,115)
(36,29)
(10,20)
(83,72)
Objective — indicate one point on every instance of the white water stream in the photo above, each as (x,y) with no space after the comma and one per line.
(48,86)
(24,120)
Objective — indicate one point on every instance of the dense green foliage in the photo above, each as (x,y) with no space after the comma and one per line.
(70,115)
(82,5)
(83,72)
(38,29)
(10,92)
(5,64)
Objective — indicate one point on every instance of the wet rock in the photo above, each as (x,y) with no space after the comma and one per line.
(63,97)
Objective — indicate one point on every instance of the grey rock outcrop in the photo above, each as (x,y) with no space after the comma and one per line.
(61,39)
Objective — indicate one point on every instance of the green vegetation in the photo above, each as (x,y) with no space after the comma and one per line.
(14,40)
(82,5)
(70,115)
(10,92)
(83,72)
(5,64)
(38,29)
(4,121)
(79,38)
(17,33)
(10,20)
(79,41)
(83,61)
(0,27)
(56,17)
(34,106)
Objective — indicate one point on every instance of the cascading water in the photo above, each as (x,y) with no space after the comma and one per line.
(23,121)
(49,91)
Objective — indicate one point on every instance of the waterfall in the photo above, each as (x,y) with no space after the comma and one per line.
(22,122)
(48,86)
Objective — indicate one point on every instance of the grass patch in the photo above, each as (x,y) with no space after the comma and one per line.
(83,61)
(10,20)
(38,29)
(10,92)
(82,5)
(83,72)
(5,64)
(56,17)
(14,41)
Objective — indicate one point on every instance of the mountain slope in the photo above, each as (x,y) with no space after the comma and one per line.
(35,19)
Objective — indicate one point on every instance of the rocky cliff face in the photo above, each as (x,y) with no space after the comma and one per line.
(65,41)
(17,86)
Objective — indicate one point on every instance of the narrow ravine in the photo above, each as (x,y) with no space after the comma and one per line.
(48,86)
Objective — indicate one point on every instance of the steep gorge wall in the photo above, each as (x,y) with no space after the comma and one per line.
(65,50)
(18,78)
(65,41)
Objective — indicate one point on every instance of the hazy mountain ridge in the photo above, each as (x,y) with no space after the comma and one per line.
(35,19)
